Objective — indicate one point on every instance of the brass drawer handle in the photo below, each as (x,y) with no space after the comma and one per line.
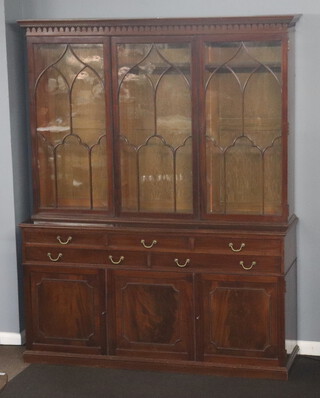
(69,239)
(248,268)
(54,259)
(143,242)
(236,250)
(116,262)
(182,265)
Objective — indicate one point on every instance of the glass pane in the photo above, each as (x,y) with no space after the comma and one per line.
(100,180)
(215,178)
(223,108)
(136,109)
(243,121)
(129,173)
(155,108)
(46,174)
(243,170)
(183,181)
(73,179)
(262,108)
(272,180)
(173,107)
(70,122)
(156,183)
(53,107)
(88,107)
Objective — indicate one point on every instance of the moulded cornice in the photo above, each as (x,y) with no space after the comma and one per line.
(160,26)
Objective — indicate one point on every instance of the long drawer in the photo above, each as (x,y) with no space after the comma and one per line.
(242,245)
(45,254)
(221,263)
(146,240)
(69,237)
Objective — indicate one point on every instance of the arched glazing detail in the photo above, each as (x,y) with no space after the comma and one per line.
(154,99)
(70,126)
(243,108)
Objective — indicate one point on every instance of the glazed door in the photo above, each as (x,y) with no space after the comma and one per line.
(152,314)
(70,125)
(240,316)
(66,309)
(153,95)
(245,125)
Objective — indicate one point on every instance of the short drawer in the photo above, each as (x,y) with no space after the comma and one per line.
(221,263)
(65,237)
(63,255)
(126,258)
(148,241)
(238,245)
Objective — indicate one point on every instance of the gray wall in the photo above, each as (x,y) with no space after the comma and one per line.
(307,122)
(14,193)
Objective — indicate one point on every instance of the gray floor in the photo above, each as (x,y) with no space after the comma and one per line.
(11,362)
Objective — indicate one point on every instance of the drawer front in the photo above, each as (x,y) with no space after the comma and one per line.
(63,255)
(126,258)
(84,256)
(239,245)
(65,237)
(148,241)
(221,263)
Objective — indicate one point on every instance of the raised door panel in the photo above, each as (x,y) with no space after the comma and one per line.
(67,309)
(240,316)
(153,314)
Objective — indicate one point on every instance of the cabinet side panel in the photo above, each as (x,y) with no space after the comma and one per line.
(291,309)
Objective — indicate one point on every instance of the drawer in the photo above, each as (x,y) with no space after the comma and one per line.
(63,255)
(239,245)
(84,256)
(148,241)
(126,258)
(65,237)
(221,263)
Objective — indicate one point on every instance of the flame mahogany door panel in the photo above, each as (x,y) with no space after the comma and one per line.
(67,307)
(240,316)
(153,314)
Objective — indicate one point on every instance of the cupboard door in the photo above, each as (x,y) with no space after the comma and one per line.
(70,135)
(240,316)
(66,309)
(244,119)
(153,314)
(154,125)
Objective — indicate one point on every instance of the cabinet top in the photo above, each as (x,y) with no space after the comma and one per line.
(159,26)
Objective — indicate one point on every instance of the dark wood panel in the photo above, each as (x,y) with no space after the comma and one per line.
(240,316)
(67,310)
(153,314)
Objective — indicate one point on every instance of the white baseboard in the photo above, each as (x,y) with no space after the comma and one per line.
(12,338)
(309,347)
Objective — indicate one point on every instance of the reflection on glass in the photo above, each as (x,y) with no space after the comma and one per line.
(72,174)
(70,124)
(154,98)
(243,127)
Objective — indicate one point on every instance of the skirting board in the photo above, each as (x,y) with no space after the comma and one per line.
(12,338)
(309,347)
